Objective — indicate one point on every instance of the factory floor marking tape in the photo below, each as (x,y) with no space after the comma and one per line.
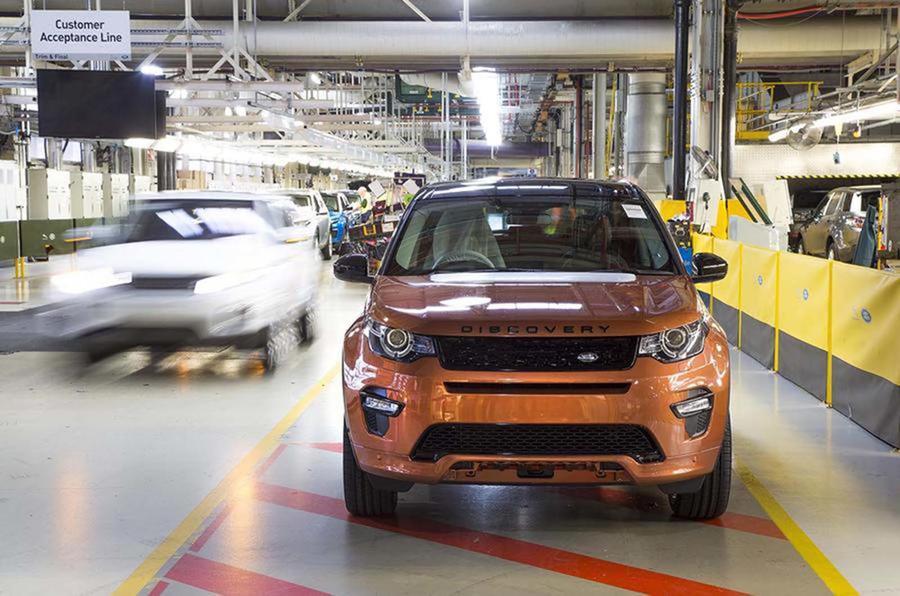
(802,543)
(148,569)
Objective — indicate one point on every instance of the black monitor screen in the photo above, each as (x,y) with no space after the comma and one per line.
(84,104)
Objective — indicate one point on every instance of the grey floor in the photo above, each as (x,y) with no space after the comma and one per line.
(167,477)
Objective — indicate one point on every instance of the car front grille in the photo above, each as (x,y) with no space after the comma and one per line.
(537,439)
(537,353)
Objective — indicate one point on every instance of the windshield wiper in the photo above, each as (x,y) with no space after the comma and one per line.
(637,271)
(478,270)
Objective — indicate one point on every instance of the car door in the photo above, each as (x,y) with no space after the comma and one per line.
(816,234)
(322,219)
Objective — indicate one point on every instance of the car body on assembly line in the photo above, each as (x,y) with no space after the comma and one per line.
(199,268)
(338,203)
(535,331)
(313,214)
(832,230)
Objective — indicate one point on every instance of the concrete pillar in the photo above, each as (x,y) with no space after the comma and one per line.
(645,132)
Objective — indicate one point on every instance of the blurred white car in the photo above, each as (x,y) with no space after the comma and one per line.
(313,213)
(194,269)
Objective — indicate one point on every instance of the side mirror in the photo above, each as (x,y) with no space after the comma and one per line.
(352,268)
(708,268)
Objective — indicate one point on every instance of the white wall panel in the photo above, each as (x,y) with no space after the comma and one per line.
(757,164)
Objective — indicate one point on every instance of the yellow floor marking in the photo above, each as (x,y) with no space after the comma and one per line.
(815,558)
(148,569)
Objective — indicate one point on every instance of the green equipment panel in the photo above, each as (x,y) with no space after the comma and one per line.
(41,237)
(9,240)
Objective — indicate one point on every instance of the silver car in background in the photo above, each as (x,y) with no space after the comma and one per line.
(832,231)
(189,269)
(313,214)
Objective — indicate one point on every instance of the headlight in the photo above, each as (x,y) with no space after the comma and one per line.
(226,281)
(87,280)
(675,344)
(398,344)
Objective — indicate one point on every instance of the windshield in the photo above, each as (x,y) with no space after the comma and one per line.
(194,220)
(331,201)
(862,200)
(530,234)
(302,200)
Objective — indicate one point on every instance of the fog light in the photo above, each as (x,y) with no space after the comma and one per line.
(693,406)
(381,405)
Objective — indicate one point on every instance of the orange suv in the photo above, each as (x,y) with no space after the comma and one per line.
(535,331)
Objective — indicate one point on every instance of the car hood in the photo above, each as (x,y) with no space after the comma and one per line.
(509,303)
(175,258)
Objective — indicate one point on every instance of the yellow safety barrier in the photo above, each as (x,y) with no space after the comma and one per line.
(803,314)
(866,318)
(726,294)
(830,327)
(759,297)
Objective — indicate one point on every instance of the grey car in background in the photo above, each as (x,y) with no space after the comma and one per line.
(832,231)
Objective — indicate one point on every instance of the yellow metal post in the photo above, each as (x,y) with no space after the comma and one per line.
(777,308)
(830,339)
(19,268)
(740,261)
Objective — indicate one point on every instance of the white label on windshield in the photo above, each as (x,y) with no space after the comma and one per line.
(634,211)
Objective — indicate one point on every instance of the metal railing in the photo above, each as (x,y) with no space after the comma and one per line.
(756,101)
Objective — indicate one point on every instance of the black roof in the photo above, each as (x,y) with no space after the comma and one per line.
(537,187)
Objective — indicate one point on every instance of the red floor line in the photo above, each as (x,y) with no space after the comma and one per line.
(334,447)
(509,549)
(751,524)
(159,588)
(227,580)
(211,529)
(747,523)
(276,453)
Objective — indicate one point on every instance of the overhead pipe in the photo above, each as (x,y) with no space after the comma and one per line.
(644,41)
(679,112)
(645,132)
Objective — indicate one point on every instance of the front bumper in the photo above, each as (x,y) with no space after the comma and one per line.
(422,389)
(164,317)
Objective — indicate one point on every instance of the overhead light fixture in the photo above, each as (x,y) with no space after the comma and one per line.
(315,78)
(139,143)
(151,70)
(876,111)
(781,134)
(487,92)
(882,110)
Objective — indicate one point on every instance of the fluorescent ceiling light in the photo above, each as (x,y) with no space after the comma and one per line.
(487,92)
(151,70)
(315,78)
(878,111)
(882,110)
(139,143)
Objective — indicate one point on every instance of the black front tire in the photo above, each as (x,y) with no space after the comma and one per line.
(360,496)
(711,500)
(326,251)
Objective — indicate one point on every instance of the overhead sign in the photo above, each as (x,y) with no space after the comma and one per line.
(81,34)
